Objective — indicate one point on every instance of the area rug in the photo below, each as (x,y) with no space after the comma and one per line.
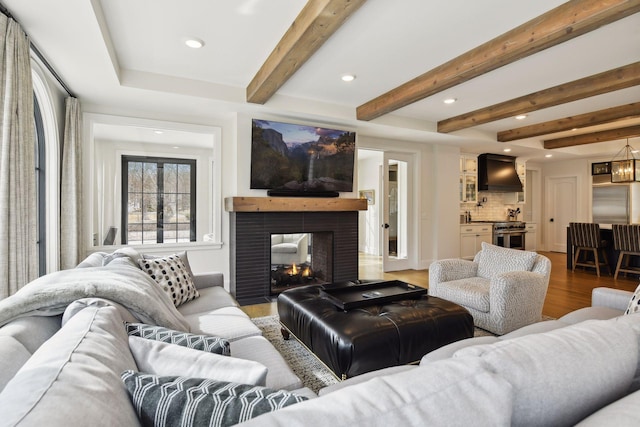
(313,373)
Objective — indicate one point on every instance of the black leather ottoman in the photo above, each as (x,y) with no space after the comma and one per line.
(365,339)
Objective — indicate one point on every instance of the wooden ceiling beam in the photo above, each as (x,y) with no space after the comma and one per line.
(317,21)
(590,138)
(605,82)
(569,20)
(609,115)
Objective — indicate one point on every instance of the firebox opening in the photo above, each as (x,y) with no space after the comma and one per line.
(300,259)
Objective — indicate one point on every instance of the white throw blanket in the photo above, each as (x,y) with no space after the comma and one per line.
(129,286)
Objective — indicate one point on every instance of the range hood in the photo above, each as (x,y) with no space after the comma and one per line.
(498,173)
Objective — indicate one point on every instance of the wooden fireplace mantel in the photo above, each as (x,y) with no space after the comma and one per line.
(293,204)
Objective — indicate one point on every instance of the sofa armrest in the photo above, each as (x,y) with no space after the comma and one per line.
(208,279)
(612,298)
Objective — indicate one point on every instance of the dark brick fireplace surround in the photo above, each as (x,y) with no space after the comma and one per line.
(254,219)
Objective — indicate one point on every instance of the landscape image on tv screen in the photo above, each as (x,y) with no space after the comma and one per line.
(301,158)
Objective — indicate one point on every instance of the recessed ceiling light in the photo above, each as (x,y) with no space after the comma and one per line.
(548,155)
(521,117)
(348,78)
(574,129)
(176,147)
(507,150)
(450,100)
(158,132)
(194,43)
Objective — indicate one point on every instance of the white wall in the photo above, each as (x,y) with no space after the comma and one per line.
(370,221)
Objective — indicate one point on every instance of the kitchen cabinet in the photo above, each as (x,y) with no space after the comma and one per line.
(531,238)
(471,238)
(468,178)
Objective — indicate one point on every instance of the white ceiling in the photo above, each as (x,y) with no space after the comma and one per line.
(128,57)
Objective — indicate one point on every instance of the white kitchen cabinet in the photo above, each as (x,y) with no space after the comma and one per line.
(468,178)
(531,238)
(471,238)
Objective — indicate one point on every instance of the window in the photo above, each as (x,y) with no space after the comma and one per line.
(41,184)
(158,200)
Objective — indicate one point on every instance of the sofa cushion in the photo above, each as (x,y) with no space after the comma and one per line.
(258,348)
(211,298)
(162,358)
(228,322)
(472,292)
(172,275)
(494,260)
(621,413)
(73,379)
(455,391)
(560,377)
(32,331)
(12,356)
(285,248)
(634,302)
(206,343)
(179,401)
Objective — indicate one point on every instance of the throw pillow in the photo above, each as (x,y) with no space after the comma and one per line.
(183,257)
(161,358)
(184,339)
(172,275)
(634,302)
(495,260)
(180,401)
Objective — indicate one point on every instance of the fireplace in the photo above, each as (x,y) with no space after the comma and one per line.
(332,223)
(300,259)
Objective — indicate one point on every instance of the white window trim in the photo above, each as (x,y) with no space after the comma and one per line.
(52,161)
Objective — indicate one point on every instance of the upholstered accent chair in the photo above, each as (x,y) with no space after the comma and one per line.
(288,249)
(503,289)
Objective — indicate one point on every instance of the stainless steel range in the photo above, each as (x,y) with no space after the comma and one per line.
(509,234)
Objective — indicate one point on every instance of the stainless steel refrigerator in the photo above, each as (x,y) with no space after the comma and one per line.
(616,203)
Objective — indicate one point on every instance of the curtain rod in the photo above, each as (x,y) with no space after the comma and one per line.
(40,56)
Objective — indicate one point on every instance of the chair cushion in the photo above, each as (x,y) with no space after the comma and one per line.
(285,248)
(495,260)
(472,292)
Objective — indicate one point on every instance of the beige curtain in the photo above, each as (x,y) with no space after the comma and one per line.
(18,194)
(71,188)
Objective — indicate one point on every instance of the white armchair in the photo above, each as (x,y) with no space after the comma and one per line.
(503,289)
(288,249)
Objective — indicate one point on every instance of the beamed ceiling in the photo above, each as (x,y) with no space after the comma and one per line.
(573,68)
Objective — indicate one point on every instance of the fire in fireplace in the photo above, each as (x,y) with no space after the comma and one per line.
(299,259)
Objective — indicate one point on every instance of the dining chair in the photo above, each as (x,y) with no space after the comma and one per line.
(626,240)
(585,237)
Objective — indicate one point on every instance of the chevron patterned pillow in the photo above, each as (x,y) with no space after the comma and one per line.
(180,401)
(198,342)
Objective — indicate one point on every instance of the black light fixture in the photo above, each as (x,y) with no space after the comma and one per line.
(627,168)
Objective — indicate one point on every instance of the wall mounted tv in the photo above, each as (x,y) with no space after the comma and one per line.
(299,159)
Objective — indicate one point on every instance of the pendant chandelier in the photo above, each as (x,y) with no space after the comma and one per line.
(624,166)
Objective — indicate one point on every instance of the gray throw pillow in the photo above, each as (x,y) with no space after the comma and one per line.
(185,339)
(180,401)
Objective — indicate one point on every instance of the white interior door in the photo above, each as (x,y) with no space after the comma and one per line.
(561,210)
(398,251)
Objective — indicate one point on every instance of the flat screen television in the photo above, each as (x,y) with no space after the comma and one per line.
(300,158)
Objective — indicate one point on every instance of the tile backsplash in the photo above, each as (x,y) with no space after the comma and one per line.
(495,208)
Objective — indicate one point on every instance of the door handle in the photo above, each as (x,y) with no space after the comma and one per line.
(385,225)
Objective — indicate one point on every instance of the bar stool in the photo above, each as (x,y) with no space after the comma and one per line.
(586,237)
(626,239)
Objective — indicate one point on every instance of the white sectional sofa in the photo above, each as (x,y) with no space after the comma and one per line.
(65,366)
(60,363)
